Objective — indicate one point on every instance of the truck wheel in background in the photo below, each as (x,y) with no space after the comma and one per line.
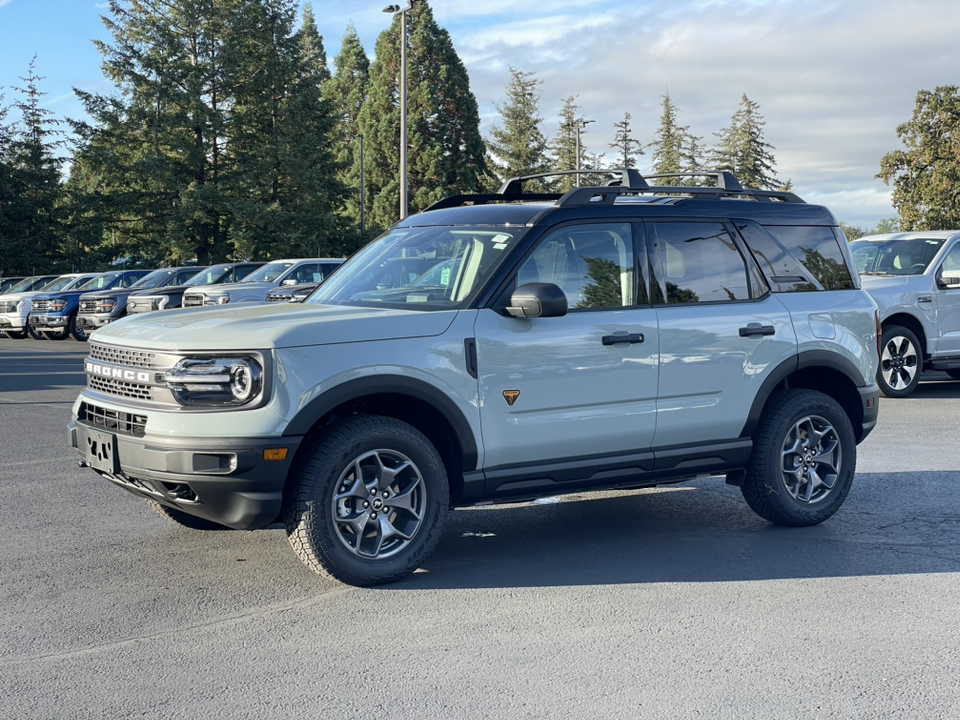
(900,362)
(79,334)
(367,502)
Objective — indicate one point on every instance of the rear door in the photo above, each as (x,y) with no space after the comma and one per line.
(721,331)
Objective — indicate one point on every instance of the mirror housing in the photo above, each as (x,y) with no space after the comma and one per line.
(949,279)
(289,281)
(537,300)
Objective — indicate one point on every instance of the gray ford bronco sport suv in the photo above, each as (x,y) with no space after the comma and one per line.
(498,348)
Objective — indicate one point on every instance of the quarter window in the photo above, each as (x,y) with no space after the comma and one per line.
(701,263)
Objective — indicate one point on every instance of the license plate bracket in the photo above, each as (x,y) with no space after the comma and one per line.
(101,451)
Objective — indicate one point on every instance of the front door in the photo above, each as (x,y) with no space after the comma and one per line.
(948,308)
(556,389)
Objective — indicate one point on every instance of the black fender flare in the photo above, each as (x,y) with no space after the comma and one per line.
(356,389)
(809,358)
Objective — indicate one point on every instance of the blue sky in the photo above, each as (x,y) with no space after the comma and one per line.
(833,78)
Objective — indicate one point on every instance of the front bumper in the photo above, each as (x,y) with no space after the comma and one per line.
(224,480)
(13,322)
(92,322)
(49,322)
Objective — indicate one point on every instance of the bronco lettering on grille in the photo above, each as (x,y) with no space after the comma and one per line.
(118,373)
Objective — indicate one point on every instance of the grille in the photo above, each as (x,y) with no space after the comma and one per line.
(112,386)
(112,420)
(192,300)
(88,306)
(279,298)
(119,356)
(41,304)
(8,307)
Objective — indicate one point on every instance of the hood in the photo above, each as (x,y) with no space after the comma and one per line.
(891,291)
(266,326)
(118,292)
(165,290)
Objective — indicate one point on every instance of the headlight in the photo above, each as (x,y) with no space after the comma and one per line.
(300,297)
(106,305)
(216,381)
(221,299)
(57,304)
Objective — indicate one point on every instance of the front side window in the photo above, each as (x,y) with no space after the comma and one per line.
(422,268)
(154,279)
(701,263)
(593,264)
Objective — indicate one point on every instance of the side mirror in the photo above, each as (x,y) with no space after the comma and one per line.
(949,279)
(289,281)
(538,300)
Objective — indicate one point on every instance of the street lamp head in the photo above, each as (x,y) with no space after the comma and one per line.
(391,8)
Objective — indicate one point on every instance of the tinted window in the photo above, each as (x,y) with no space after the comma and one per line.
(817,249)
(701,263)
(304,274)
(782,270)
(592,264)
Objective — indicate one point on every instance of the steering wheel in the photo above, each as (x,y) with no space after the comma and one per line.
(919,266)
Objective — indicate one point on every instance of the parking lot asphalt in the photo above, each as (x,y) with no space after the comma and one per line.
(672,602)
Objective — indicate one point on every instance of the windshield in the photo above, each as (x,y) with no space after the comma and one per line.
(209,276)
(899,256)
(424,268)
(154,279)
(61,283)
(268,273)
(22,285)
(102,282)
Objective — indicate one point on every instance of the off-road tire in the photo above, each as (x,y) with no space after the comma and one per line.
(785,453)
(332,518)
(901,362)
(179,517)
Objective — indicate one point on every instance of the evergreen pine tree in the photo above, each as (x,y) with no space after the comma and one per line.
(32,217)
(519,146)
(742,150)
(446,153)
(676,149)
(628,148)
(346,93)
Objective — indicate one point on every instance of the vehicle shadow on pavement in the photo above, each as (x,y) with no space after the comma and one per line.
(698,532)
(936,389)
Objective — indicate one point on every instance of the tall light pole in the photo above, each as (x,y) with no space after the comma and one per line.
(578,124)
(395,9)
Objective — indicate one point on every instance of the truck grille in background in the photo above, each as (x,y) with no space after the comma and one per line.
(279,298)
(112,420)
(192,300)
(88,306)
(120,356)
(41,305)
(8,307)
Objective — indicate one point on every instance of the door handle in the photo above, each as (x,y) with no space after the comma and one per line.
(624,338)
(751,330)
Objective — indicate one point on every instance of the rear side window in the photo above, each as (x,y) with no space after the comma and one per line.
(798,258)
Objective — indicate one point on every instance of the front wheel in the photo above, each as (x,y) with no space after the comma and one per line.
(900,362)
(35,334)
(804,458)
(80,334)
(369,500)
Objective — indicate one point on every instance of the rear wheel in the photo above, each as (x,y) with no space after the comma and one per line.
(179,517)
(370,501)
(804,458)
(900,362)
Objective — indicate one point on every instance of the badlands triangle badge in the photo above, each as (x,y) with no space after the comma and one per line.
(511,396)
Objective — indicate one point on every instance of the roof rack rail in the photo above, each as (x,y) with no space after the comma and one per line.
(626,181)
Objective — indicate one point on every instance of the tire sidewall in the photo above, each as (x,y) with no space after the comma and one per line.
(319,478)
